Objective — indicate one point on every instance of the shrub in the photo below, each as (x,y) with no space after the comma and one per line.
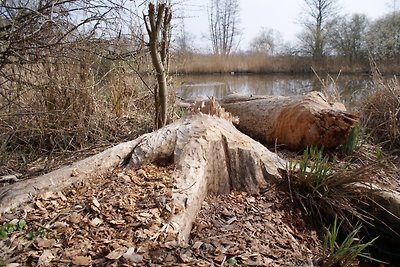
(72,104)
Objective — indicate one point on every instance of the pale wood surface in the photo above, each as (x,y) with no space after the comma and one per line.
(296,122)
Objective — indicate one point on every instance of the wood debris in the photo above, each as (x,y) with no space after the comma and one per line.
(111,220)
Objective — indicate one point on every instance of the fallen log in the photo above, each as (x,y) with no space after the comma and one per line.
(296,122)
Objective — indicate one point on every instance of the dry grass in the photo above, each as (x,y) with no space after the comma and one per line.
(260,63)
(246,63)
(332,187)
(323,188)
(381,111)
(55,107)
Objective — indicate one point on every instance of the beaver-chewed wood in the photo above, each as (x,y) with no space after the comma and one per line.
(210,157)
(295,122)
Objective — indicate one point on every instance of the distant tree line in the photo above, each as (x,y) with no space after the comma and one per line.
(325,33)
(355,37)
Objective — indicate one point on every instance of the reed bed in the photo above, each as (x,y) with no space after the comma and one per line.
(261,63)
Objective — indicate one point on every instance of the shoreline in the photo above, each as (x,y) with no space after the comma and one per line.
(248,64)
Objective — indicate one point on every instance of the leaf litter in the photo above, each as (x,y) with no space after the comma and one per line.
(116,219)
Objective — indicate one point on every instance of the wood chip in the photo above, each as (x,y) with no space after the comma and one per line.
(82,260)
(46,243)
(96,222)
(45,258)
(116,254)
(131,256)
(74,172)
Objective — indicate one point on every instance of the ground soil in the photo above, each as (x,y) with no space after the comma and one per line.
(119,219)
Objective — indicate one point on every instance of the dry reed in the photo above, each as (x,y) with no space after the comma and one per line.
(260,63)
(381,111)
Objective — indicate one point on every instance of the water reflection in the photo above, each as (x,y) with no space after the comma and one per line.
(351,88)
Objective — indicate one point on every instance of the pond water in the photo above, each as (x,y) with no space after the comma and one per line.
(352,88)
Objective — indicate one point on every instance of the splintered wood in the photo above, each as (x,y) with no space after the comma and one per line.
(211,107)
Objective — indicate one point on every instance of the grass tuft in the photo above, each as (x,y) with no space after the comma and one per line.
(325,189)
(353,140)
(313,169)
(380,111)
(346,252)
(340,189)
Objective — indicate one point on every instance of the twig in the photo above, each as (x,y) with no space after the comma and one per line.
(219,236)
(185,189)
(10,177)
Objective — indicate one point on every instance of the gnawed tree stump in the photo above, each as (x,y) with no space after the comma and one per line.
(296,122)
(210,156)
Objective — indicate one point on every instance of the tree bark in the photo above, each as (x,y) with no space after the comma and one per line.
(295,122)
(157,22)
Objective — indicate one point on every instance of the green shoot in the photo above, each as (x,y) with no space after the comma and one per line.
(345,253)
(13,226)
(313,169)
(352,141)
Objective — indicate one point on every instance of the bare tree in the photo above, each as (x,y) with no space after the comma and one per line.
(384,37)
(224,25)
(30,30)
(184,41)
(45,32)
(393,5)
(314,37)
(55,67)
(158,24)
(348,37)
(266,41)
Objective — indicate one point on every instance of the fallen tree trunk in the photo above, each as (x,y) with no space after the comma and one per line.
(295,122)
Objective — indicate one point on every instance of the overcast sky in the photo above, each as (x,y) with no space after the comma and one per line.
(281,15)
